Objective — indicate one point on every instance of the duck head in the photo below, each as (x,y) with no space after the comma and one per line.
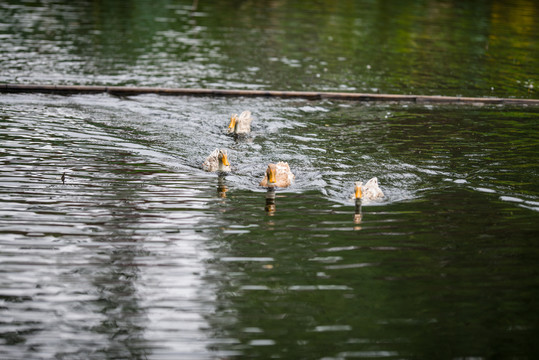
(271,172)
(223,160)
(233,122)
(358,193)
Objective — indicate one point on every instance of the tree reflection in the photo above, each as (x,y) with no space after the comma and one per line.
(117,276)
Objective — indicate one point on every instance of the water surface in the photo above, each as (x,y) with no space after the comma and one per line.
(115,244)
(141,254)
(485,48)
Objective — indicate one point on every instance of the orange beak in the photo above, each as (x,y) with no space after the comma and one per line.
(232,124)
(359,194)
(271,176)
(224,159)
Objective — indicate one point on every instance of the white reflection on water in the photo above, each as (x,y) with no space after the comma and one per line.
(107,263)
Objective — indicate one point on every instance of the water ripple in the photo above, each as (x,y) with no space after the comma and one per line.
(109,226)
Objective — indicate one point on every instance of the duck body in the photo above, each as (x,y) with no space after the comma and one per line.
(370,191)
(278,175)
(240,125)
(217,161)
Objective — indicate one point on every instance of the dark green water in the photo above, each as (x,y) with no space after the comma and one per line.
(142,255)
(474,48)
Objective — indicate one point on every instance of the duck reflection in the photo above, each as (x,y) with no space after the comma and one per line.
(270,201)
(358,215)
(221,186)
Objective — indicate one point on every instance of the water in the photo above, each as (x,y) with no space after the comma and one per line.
(486,48)
(139,254)
(114,243)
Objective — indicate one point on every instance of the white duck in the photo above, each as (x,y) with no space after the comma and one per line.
(278,175)
(369,191)
(217,161)
(240,125)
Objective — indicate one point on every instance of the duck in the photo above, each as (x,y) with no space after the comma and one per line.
(278,175)
(217,161)
(369,191)
(240,125)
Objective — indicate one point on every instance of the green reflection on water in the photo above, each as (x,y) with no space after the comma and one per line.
(486,48)
(423,279)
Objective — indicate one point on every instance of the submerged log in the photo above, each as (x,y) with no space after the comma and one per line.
(310,95)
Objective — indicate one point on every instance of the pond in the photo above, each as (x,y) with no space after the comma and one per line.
(114,243)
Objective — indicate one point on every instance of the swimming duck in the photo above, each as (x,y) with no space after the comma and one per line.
(278,175)
(369,191)
(241,124)
(217,161)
